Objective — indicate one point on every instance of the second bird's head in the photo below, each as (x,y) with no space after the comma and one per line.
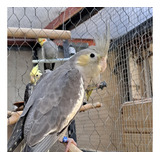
(35,75)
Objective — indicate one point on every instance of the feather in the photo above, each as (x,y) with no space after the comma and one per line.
(102,43)
(28,92)
(17,135)
(43,146)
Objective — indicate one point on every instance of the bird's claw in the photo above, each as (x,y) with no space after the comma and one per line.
(69,141)
(102,85)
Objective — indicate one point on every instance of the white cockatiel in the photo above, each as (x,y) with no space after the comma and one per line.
(58,97)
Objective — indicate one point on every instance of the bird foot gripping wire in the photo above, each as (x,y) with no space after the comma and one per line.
(102,85)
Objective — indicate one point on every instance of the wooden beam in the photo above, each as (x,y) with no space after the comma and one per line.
(90,42)
(63,17)
(21,41)
(37,33)
(80,17)
(31,42)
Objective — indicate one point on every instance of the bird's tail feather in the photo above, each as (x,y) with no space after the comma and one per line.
(17,135)
(44,145)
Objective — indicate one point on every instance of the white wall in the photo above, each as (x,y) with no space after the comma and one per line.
(19,67)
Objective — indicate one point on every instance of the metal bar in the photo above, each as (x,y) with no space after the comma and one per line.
(50,60)
(66,48)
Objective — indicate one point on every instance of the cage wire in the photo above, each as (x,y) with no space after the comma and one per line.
(124,121)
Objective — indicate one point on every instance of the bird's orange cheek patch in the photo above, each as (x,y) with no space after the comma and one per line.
(32,79)
(103,64)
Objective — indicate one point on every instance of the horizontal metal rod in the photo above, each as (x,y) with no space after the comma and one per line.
(38,33)
(50,60)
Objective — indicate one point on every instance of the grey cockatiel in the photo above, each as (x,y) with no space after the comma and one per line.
(49,51)
(58,97)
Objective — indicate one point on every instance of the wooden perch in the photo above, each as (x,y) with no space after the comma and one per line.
(14,116)
(20,106)
(73,148)
(90,106)
(38,33)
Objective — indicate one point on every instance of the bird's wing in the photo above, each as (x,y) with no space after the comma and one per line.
(28,92)
(60,98)
(50,49)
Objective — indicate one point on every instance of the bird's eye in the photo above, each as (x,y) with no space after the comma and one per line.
(36,75)
(92,55)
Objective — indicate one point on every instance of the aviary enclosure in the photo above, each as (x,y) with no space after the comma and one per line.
(123,120)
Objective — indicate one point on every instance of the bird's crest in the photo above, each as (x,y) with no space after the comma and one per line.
(102,43)
(35,70)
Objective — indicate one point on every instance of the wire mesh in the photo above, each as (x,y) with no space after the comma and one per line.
(124,121)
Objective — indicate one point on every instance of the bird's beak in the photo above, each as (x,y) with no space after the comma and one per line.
(40,74)
(41,41)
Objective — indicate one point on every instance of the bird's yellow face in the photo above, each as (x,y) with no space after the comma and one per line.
(35,78)
(88,58)
(41,41)
(35,75)
(92,59)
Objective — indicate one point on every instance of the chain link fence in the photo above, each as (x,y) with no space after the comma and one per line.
(124,121)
